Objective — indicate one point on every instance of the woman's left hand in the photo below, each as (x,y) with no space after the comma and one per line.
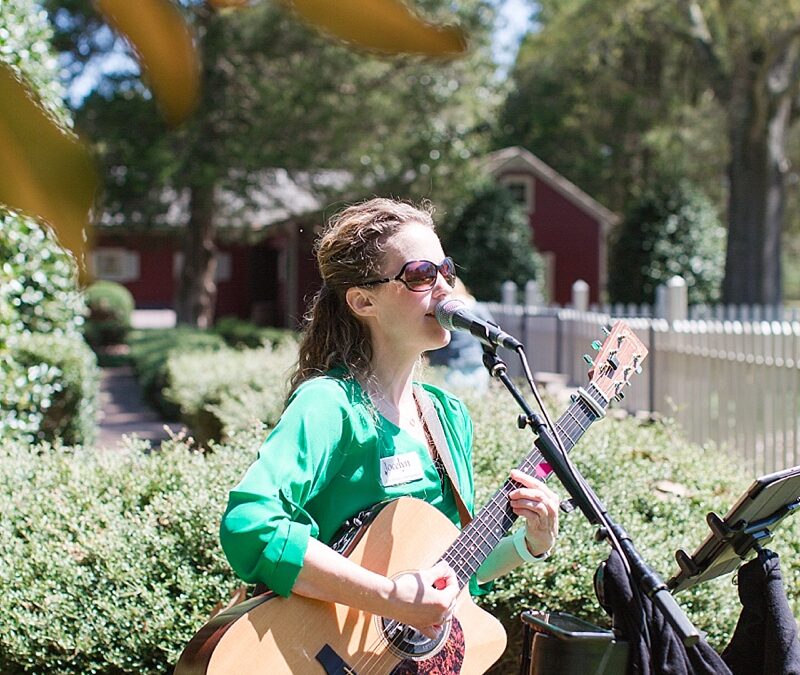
(538,504)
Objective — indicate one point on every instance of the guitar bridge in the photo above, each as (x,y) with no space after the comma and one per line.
(333,663)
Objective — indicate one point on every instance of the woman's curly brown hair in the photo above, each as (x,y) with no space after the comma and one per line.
(349,253)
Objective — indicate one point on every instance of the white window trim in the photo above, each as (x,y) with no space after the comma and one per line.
(113,263)
(222,273)
(528,182)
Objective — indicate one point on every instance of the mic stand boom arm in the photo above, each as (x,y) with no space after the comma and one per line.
(585,498)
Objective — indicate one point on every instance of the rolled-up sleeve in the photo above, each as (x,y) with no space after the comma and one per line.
(265,528)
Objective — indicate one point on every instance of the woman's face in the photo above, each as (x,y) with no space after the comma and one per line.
(404,317)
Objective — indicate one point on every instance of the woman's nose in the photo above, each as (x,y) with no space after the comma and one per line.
(442,288)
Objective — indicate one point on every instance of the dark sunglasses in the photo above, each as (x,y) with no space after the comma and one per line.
(420,275)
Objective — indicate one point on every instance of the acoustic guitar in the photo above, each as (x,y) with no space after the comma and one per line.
(270,634)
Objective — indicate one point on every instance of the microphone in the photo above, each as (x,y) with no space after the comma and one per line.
(453,315)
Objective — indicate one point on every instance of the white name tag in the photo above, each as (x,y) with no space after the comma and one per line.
(400,469)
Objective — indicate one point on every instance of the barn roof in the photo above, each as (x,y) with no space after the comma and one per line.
(261,200)
(519,160)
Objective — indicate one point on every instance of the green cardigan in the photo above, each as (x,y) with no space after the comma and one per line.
(320,466)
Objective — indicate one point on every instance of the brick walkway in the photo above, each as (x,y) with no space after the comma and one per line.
(125,413)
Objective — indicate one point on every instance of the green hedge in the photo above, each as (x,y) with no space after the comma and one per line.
(150,351)
(56,389)
(245,335)
(110,309)
(109,562)
(220,392)
(48,377)
(198,375)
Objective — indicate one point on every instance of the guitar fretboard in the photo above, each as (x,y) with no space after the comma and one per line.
(478,539)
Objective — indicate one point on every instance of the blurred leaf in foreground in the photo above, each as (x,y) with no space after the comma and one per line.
(164,46)
(386,26)
(46,171)
(225,4)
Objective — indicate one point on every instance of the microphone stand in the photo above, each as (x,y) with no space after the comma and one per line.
(596,513)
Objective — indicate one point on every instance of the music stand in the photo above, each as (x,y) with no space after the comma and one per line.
(747,526)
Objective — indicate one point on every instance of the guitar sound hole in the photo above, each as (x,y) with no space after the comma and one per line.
(408,643)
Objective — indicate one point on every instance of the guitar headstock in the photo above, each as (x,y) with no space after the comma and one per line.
(618,359)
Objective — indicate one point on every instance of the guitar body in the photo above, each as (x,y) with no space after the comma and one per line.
(297,635)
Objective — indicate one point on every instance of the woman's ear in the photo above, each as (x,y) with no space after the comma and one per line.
(360,301)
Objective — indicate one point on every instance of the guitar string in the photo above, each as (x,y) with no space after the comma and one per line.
(502,494)
(501,523)
(563,426)
(532,460)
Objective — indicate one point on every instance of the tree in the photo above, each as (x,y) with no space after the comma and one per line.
(490,240)
(670,229)
(598,94)
(632,77)
(750,56)
(276,94)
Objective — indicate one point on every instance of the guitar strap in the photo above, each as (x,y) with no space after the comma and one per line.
(434,425)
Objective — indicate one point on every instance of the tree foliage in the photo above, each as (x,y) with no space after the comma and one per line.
(620,96)
(599,94)
(668,230)
(490,240)
(25,45)
(277,94)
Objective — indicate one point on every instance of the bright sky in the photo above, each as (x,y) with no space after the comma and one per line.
(513,22)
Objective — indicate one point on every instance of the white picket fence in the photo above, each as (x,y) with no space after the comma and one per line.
(733,382)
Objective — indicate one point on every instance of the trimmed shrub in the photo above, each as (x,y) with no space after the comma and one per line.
(38,281)
(56,390)
(47,374)
(109,562)
(220,392)
(110,309)
(670,229)
(150,350)
(245,335)
(491,241)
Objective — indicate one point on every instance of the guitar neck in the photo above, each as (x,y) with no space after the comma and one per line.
(477,540)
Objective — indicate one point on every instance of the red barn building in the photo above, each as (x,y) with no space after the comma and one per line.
(570,229)
(265,266)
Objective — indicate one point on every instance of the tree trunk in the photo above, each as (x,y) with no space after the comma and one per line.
(196,294)
(757,195)
(197,290)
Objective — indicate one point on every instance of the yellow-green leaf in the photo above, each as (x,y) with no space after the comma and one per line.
(46,172)
(163,43)
(227,4)
(386,26)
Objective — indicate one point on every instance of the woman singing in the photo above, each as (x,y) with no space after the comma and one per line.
(353,433)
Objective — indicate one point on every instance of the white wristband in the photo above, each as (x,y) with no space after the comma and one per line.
(522,548)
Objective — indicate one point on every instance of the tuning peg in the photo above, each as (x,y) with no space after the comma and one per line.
(606,330)
(588,359)
(638,370)
(596,345)
(620,396)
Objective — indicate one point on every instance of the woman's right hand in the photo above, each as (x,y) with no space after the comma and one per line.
(425,599)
